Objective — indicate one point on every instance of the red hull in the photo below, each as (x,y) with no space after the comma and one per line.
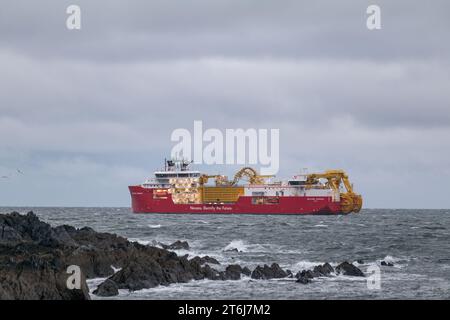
(143,201)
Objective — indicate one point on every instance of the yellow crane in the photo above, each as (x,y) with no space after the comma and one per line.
(251,174)
(350,201)
(220,180)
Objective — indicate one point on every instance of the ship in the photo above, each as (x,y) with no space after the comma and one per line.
(178,189)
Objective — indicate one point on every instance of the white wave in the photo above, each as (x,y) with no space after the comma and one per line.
(182,288)
(399,263)
(140,241)
(281,249)
(116,269)
(257,248)
(321,225)
(341,277)
(391,259)
(154,226)
(240,245)
(94,283)
(305,265)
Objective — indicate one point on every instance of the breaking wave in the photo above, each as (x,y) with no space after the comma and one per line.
(239,245)
(143,242)
(305,265)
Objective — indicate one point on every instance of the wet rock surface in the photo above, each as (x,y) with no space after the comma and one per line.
(236,250)
(205,259)
(107,288)
(348,269)
(233,272)
(246,271)
(266,272)
(34,258)
(177,245)
(323,270)
(303,279)
(34,261)
(326,270)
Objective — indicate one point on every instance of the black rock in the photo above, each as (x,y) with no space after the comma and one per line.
(360,261)
(32,272)
(323,270)
(177,245)
(17,228)
(246,271)
(108,288)
(34,257)
(205,259)
(137,275)
(387,264)
(266,272)
(33,260)
(349,269)
(61,236)
(44,252)
(211,274)
(233,272)
(303,280)
(305,274)
(232,250)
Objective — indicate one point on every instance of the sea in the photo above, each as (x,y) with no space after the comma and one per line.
(416,242)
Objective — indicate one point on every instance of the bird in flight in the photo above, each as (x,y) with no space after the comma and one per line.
(19,171)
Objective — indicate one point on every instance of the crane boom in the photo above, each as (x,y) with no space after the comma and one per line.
(350,201)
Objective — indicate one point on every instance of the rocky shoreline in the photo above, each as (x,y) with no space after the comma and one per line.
(34,261)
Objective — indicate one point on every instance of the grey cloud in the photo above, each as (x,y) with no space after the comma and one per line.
(92,111)
(410,93)
(173,29)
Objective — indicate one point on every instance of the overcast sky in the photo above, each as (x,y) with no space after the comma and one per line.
(85,113)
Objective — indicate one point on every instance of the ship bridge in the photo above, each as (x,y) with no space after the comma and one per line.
(173,169)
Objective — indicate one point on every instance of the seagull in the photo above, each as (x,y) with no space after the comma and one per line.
(18,171)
